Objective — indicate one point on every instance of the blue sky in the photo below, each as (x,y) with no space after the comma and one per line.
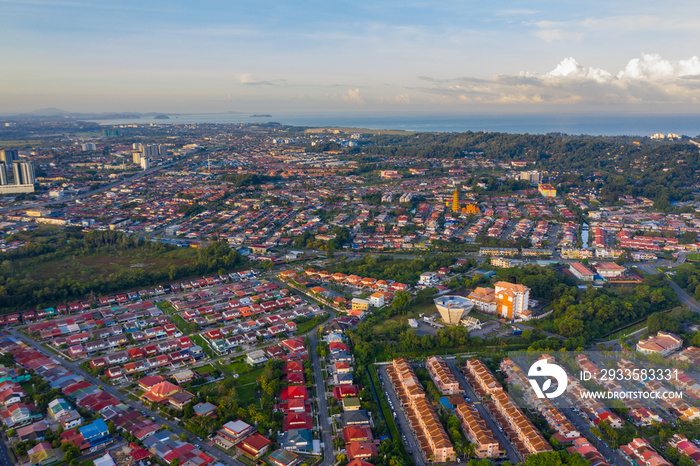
(389,56)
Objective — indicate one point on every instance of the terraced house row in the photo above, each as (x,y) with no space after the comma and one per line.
(476,431)
(556,420)
(442,375)
(431,435)
(529,440)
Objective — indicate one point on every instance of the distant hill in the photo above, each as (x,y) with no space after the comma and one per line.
(52,112)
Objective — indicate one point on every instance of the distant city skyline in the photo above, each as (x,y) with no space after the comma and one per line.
(389,56)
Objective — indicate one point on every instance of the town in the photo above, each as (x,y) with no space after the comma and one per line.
(264,294)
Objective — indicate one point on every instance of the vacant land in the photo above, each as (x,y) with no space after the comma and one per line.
(103,265)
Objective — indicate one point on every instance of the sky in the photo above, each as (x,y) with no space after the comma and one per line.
(451,56)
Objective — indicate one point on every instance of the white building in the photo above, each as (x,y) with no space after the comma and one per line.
(377,299)
(429,279)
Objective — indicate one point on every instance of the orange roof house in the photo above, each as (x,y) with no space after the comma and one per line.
(161,391)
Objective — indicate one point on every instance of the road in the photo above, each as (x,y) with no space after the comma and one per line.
(402,422)
(5,459)
(211,451)
(684,297)
(469,391)
(585,429)
(324,422)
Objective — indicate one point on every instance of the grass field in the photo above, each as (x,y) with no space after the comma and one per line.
(693,257)
(179,323)
(86,268)
(236,367)
(245,386)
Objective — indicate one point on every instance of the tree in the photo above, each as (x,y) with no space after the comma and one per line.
(696,339)
(400,303)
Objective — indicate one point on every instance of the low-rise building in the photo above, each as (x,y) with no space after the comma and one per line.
(442,375)
(581,272)
(663,343)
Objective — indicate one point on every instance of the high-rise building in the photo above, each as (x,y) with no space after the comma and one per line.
(3,175)
(23,172)
(88,146)
(137,158)
(455,200)
(150,150)
(534,177)
(145,163)
(8,156)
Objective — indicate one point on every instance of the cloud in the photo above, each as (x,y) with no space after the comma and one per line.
(250,80)
(559,35)
(646,79)
(402,99)
(516,12)
(353,96)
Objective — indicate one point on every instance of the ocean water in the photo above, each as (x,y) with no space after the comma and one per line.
(591,124)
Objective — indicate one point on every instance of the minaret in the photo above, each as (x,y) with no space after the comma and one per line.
(455,200)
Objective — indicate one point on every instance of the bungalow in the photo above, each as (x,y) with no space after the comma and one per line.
(293,420)
(150,381)
(294,392)
(232,432)
(295,345)
(34,431)
(44,454)
(204,409)
(254,446)
(300,440)
(361,450)
(183,376)
(283,458)
(344,391)
(161,392)
(256,357)
(357,434)
(11,395)
(180,399)
(115,373)
(15,415)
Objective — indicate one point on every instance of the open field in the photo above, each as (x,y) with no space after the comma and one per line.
(20,144)
(245,386)
(101,265)
(693,257)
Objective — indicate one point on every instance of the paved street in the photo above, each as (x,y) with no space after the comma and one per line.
(325,425)
(684,297)
(402,423)
(584,428)
(5,459)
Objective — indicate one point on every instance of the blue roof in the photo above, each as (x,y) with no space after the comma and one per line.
(96,429)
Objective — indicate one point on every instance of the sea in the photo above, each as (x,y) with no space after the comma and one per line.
(573,124)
